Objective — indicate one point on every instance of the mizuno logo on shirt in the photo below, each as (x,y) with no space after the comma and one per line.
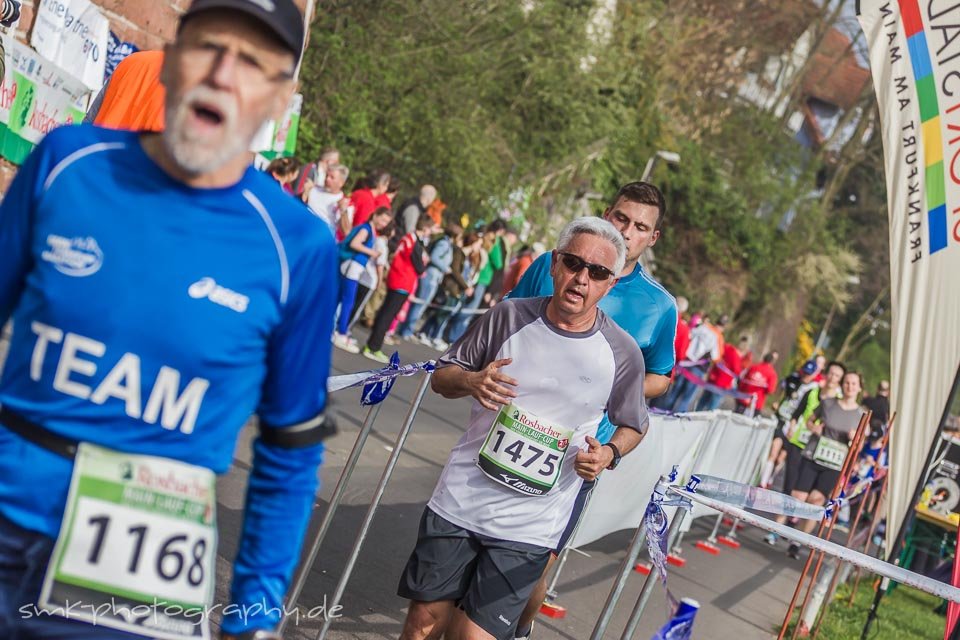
(76,257)
(209,289)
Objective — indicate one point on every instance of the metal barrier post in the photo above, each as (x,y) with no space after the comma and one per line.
(636,546)
(335,500)
(651,580)
(378,495)
(562,560)
(633,552)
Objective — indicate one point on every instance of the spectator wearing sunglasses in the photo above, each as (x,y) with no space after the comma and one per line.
(543,373)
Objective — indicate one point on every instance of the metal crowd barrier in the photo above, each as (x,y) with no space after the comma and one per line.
(372,396)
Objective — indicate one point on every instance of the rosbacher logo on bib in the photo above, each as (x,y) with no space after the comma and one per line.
(524,452)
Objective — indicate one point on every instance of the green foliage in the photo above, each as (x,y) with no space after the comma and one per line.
(485,99)
(905,614)
(473,97)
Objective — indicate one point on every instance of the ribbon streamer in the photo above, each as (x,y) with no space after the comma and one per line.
(377,383)
(655,524)
(712,387)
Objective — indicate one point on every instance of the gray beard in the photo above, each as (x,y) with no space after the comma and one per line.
(196,157)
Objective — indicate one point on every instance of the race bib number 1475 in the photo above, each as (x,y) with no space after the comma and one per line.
(524,452)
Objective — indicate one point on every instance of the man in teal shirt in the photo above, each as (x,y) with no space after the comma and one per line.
(638,303)
(642,308)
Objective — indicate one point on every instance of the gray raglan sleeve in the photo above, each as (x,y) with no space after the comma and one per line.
(480,344)
(626,406)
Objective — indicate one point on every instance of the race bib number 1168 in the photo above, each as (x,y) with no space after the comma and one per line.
(137,548)
(524,452)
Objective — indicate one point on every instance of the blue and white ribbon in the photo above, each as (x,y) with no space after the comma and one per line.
(656,523)
(377,383)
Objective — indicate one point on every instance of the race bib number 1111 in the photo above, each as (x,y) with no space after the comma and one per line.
(524,452)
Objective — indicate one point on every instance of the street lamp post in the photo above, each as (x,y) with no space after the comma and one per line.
(667,156)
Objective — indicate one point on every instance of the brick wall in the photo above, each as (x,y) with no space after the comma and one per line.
(146,23)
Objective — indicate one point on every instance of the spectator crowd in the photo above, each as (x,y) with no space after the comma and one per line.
(404,274)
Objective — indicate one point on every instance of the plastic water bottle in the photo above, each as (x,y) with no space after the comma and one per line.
(747,497)
(680,626)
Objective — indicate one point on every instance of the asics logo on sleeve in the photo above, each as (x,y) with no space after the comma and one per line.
(80,358)
(76,257)
(209,289)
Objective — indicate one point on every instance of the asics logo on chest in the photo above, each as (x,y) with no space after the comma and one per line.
(209,289)
(80,357)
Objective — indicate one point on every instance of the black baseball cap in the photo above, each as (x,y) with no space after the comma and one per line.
(282,17)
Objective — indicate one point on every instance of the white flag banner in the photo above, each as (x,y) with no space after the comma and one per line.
(915,61)
(73,34)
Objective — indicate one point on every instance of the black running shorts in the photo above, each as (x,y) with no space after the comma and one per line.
(817,477)
(489,579)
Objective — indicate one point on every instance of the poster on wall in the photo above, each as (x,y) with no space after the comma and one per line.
(285,134)
(73,34)
(117,50)
(35,97)
(278,138)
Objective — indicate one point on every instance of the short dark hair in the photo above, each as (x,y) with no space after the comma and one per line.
(836,363)
(642,193)
(378,178)
(379,211)
(424,222)
(497,225)
(283,166)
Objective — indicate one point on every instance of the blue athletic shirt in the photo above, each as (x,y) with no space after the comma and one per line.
(151,317)
(638,303)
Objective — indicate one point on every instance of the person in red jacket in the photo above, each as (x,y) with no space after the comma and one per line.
(408,263)
(363,200)
(724,374)
(760,380)
(681,342)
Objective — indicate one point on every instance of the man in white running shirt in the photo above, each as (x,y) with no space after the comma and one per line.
(541,372)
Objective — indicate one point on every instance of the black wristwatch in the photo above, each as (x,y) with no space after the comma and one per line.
(616,455)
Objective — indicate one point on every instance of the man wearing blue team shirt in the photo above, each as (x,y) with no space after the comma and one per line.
(161,291)
(638,303)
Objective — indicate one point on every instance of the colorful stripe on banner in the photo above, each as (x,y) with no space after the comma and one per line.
(930,123)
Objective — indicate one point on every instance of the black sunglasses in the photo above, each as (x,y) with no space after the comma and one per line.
(575,264)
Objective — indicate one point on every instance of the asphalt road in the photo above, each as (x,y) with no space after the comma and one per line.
(743,593)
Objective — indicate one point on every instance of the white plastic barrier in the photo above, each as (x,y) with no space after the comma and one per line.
(732,451)
(620,498)
(719,443)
